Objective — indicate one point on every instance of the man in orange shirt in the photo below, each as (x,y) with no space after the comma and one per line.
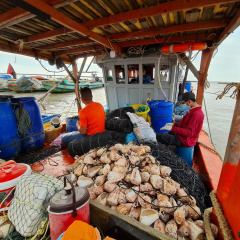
(91,118)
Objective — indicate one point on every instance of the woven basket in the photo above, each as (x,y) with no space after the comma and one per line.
(51,135)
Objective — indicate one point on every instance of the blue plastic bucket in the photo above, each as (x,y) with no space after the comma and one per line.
(35,136)
(161,112)
(185,153)
(71,124)
(10,144)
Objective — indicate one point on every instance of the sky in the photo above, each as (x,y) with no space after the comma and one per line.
(224,67)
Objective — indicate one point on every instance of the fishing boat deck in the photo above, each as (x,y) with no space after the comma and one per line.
(205,162)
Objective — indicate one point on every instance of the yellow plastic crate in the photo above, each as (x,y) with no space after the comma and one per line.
(51,134)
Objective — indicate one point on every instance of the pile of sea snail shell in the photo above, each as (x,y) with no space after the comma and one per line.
(128,179)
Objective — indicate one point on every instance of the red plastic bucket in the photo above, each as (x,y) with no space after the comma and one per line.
(67,206)
(9,176)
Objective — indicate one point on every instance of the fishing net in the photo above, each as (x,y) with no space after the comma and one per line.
(118,136)
(28,210)
(121,125)
(120,112)
(36,154)
(83,145)
(182,173)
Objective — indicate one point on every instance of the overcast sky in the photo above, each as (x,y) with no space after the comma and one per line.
(225,65)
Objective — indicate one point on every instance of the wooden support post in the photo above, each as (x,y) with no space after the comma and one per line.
(185,77)
(229,184)
(81,68)
(205,62)
(90,64)
(76,83)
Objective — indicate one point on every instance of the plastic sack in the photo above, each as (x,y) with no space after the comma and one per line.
(142,129)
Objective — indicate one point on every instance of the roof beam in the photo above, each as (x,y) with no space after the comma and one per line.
(172,29)
(234,23)
(186,38)
(17,14)
(89,55)
(163,8)
(79,50)
(29,53)
(48,34)
(67,44)
(70,23)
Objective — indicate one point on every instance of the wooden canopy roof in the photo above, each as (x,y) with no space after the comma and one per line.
(70,29)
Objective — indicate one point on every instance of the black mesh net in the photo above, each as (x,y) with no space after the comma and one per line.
(120,112)
(120,125)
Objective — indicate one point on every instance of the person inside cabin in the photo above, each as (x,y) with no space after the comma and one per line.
(184,133)
(146,78)
(91,118)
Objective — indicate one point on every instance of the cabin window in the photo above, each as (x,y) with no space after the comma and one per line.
(148,71)
(164,73)
(109,75)
(120,74)
(133,73)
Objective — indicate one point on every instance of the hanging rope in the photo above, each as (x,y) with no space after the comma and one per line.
(227,88)
(24,122)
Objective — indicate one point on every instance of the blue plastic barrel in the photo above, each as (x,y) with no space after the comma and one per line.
(188,86)
(161,112)
(71,124)
(35,136)
(185,153)
(10,143)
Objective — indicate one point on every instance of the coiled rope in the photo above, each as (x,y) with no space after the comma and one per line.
(227,88)
(24,122)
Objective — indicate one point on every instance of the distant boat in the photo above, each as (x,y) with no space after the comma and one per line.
(5,79)
(68,85)
(14,87)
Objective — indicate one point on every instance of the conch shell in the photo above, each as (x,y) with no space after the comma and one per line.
(88,159)
(184,230)
(122,162)
(101,151)
(147,148)
(148,216)
(102,198)
(180,214)
(135,213)
(93,153)
(156,181)
(98,190)
(113,197)
(106,169)
(144,200)
(120,169)
(134,159)
(141,150)
(196,233)
(164,203)
(119,147)
(145,176)
(167,188)
(194,212)
(100,180)
(84,182)
(109,186)
(159,226)
(135,177)
(124,208)
(93,171)
(78,171)
(91,193)
(122,198)
(114,156)
(105,158)
(165,171)
(131,196)
(115,176)
(171,229)
(146,187)
(155,170)
(172,182)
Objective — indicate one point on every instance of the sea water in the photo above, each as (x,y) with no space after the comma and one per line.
(219,112)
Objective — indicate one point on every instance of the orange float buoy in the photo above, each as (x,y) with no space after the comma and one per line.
(183,47)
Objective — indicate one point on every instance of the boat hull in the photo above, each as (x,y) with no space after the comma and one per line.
(16,88)
(68,86)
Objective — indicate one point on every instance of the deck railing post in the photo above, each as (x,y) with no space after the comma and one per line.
(205,62)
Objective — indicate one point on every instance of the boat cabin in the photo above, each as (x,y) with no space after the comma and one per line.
(125,79)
